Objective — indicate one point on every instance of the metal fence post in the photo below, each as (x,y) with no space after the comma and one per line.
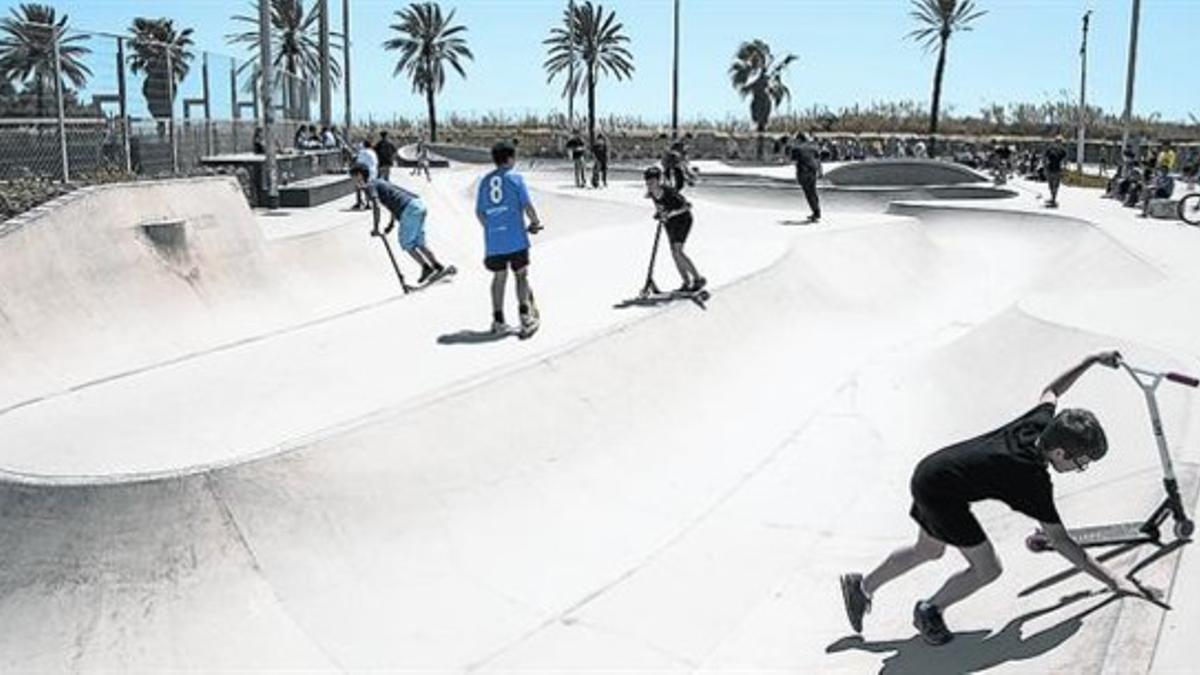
(58,95)
(171,114)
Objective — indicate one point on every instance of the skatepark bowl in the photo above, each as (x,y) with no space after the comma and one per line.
(230,442)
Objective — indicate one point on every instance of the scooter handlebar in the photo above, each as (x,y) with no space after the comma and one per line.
(1180,378)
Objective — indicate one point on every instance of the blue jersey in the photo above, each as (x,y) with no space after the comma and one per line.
(501,203)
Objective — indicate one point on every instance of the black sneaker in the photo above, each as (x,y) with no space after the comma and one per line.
(426,272)
(856,600)
(927,619)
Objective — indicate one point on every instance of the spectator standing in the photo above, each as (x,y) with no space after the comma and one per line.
(386,152)
(600,161)
(1054,158)
(575,146)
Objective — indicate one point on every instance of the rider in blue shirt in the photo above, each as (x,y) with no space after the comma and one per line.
(502,205)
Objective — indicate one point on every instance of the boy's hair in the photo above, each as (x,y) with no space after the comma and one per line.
(1077,432)
(503,151)
(360,170)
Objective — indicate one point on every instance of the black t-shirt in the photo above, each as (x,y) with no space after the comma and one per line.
(600,151)
(805,157)
(1004,464)
(1055,155)
(386,153)
(670,200)
(575,147)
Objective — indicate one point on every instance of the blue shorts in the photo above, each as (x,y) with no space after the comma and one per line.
(412,225)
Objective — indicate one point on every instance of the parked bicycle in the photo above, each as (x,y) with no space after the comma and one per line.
(1189,208)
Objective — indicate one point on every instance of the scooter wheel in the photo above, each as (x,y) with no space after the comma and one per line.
(1037,543)
(1184,529)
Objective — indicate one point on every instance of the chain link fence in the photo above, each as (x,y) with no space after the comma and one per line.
(95,107)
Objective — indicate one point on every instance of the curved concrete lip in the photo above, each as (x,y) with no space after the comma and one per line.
(679,495)
(903,172)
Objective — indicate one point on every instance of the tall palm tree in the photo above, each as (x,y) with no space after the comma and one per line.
(599,49)
(295,48)
(427,43)
(27,50)
(937,20)
(153,40)
(756,74)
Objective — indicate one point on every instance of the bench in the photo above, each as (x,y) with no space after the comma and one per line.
(315,191)
(1167,209)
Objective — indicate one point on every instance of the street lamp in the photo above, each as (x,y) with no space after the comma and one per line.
(1079,149)
(1127,118)
(571,69)
(675,80)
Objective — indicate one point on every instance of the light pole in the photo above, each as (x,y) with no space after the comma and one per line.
(323,41)
(1079,147)
(266,77)
(571,69)
(1127,118)
(346,64)
(675,80)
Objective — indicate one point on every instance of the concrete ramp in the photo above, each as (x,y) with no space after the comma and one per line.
(673,490)
(903,172)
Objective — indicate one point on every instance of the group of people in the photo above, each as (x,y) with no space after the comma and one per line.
(1011,464)
(1136,183)
(379,158)
(577,151)
(502,206)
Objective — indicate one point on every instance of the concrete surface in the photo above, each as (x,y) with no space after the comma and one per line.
(272,463)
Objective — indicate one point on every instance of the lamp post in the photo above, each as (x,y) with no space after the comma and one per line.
(1127,118)
(571,69)
(675,80)
(346,64)
(1079,148)
(270,186)
(323,42)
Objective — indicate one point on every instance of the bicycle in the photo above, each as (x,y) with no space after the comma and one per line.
(1189,208)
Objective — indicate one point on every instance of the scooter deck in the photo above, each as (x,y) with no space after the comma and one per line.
(1113,534)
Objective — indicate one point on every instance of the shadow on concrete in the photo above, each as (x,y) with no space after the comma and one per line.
(474,337)
(974,651)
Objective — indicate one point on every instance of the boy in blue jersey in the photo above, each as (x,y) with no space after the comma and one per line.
(501,205)
(409,210)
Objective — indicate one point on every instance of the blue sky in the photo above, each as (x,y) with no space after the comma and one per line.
(849,51)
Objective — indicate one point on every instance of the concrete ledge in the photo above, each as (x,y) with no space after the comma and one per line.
(315,191)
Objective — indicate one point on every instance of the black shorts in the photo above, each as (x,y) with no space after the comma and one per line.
(517,261)
(678,228)
(943,517)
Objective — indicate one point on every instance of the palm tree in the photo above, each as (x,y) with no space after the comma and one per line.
(295,49)
(27,50)
(938,20)
(599,49)
(152,40)
(755,74)
(427,42)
